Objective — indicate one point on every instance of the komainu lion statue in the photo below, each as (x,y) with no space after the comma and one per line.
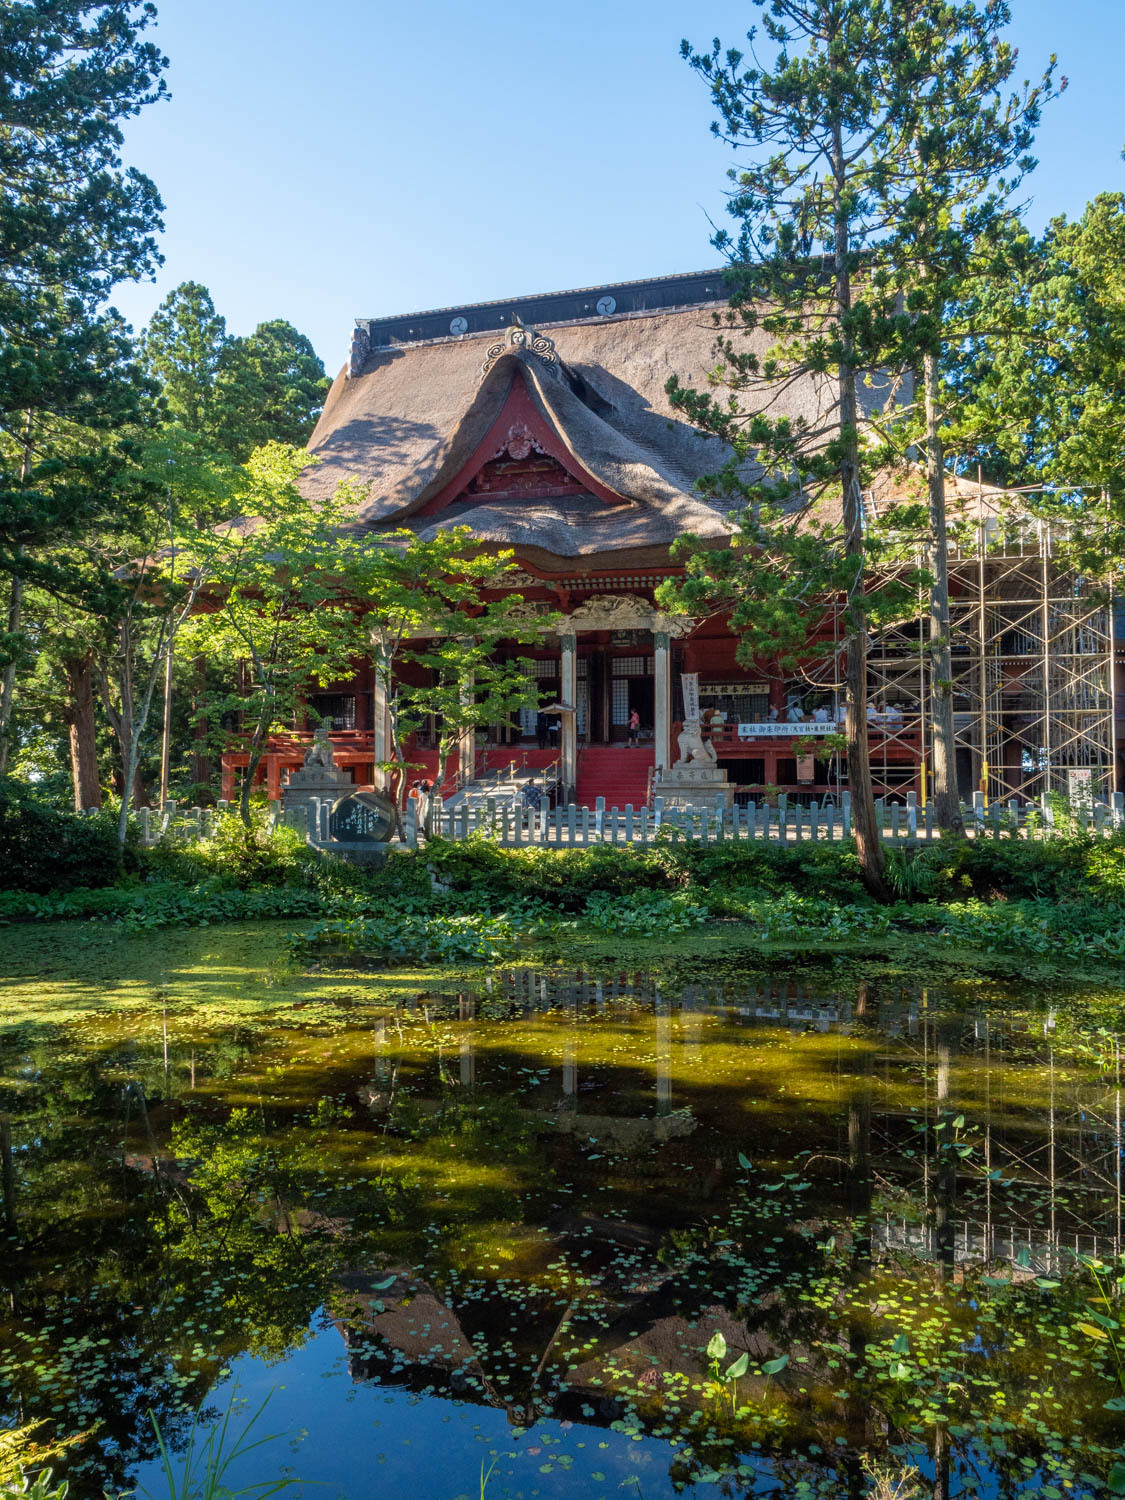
(694,749)
(319,752)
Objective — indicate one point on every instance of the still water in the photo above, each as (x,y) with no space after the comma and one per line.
(568,1233)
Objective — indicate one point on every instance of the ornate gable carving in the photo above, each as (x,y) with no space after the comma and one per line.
(627,612)
(521,468)
(521,457)
(519,337)
(612,612)
(360,349)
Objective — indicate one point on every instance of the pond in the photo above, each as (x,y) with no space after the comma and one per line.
(558,1232)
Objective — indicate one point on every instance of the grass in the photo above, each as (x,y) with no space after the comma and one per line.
(211,1452)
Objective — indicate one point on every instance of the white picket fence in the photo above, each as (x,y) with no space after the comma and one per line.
(516,827)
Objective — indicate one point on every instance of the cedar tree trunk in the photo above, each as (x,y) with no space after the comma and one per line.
(79,673)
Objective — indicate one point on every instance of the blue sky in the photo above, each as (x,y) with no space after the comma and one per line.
(356,158)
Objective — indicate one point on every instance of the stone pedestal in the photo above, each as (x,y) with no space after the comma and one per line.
(693,785)
(357,854)
(319,778)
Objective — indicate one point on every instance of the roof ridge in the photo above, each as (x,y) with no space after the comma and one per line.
(573,291)
(615,299)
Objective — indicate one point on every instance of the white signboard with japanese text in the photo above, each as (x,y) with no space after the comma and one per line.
(1080,786)
(782,730)
(689,686)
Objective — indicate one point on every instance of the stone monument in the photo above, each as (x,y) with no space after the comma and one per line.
(695,780)
(362,818)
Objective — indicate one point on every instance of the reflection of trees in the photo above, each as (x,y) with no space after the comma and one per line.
(896,1360)
(132,1279)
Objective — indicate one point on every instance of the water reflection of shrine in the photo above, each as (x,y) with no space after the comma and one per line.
(1042,1182)
(904,1068)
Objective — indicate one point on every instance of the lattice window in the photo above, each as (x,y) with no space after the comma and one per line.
(745,703)
(337,708)
(630,666)
(621,701)
(551,668)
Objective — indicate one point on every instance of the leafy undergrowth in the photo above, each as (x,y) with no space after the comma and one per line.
(446,926)
(785,924)
(1057,903)
(140,908)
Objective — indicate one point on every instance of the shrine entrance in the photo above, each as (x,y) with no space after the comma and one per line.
(613,680)
(641,695)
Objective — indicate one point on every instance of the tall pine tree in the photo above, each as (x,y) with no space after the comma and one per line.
(958,149)
(808,214)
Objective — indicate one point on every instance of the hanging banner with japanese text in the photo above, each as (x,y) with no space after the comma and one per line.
(689,686)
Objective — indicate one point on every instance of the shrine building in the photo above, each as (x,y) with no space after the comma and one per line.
(542,425)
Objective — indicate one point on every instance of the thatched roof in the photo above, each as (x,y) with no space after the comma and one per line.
(411,410)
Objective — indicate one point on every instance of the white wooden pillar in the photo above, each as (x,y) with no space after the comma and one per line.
(662,697)
(570,1051)
(468,1061)
(381,731)
(568,722)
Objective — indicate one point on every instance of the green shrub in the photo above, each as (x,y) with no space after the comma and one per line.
(1015,869)
(242,858)
(1105,868)
(911,875)
(562,877)
(568,877)
(43,849)
(236,854)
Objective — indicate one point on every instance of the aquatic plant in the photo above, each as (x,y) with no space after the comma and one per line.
(398,938)
(211,1451)
(38,1488)
(643,913)
(1104,1320)
(571,1170)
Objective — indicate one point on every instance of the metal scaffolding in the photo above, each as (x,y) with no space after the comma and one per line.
(1031,640)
